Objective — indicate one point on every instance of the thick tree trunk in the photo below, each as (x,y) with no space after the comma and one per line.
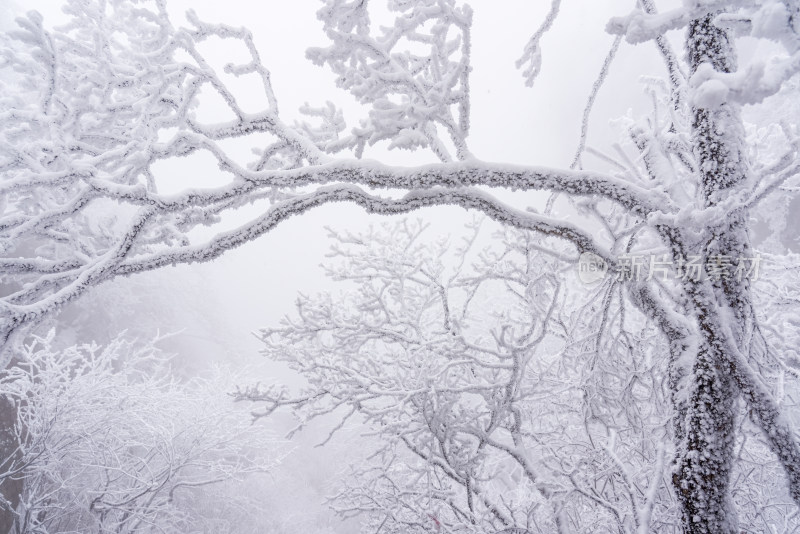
(724,315)
(702,473)
(705,454)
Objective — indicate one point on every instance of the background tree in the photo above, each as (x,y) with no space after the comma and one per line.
(109,441)
(504,392)
(94,106)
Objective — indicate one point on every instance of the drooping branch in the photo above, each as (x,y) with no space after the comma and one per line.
(532,54)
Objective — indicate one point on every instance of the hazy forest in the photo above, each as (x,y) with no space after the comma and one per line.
(399,266)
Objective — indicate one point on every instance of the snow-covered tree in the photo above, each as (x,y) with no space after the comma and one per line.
(503,391)
(109,441)
(90,109)
(497,399)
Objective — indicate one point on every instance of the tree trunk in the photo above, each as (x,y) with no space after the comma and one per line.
(722,307)
(702,473)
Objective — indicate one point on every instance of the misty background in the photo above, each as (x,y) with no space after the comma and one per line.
(213,308)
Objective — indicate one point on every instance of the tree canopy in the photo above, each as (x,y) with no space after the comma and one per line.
(89,109)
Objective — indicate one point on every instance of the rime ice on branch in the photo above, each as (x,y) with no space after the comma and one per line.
(89,109)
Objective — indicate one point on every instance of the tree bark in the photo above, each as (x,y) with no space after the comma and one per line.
(705,454)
